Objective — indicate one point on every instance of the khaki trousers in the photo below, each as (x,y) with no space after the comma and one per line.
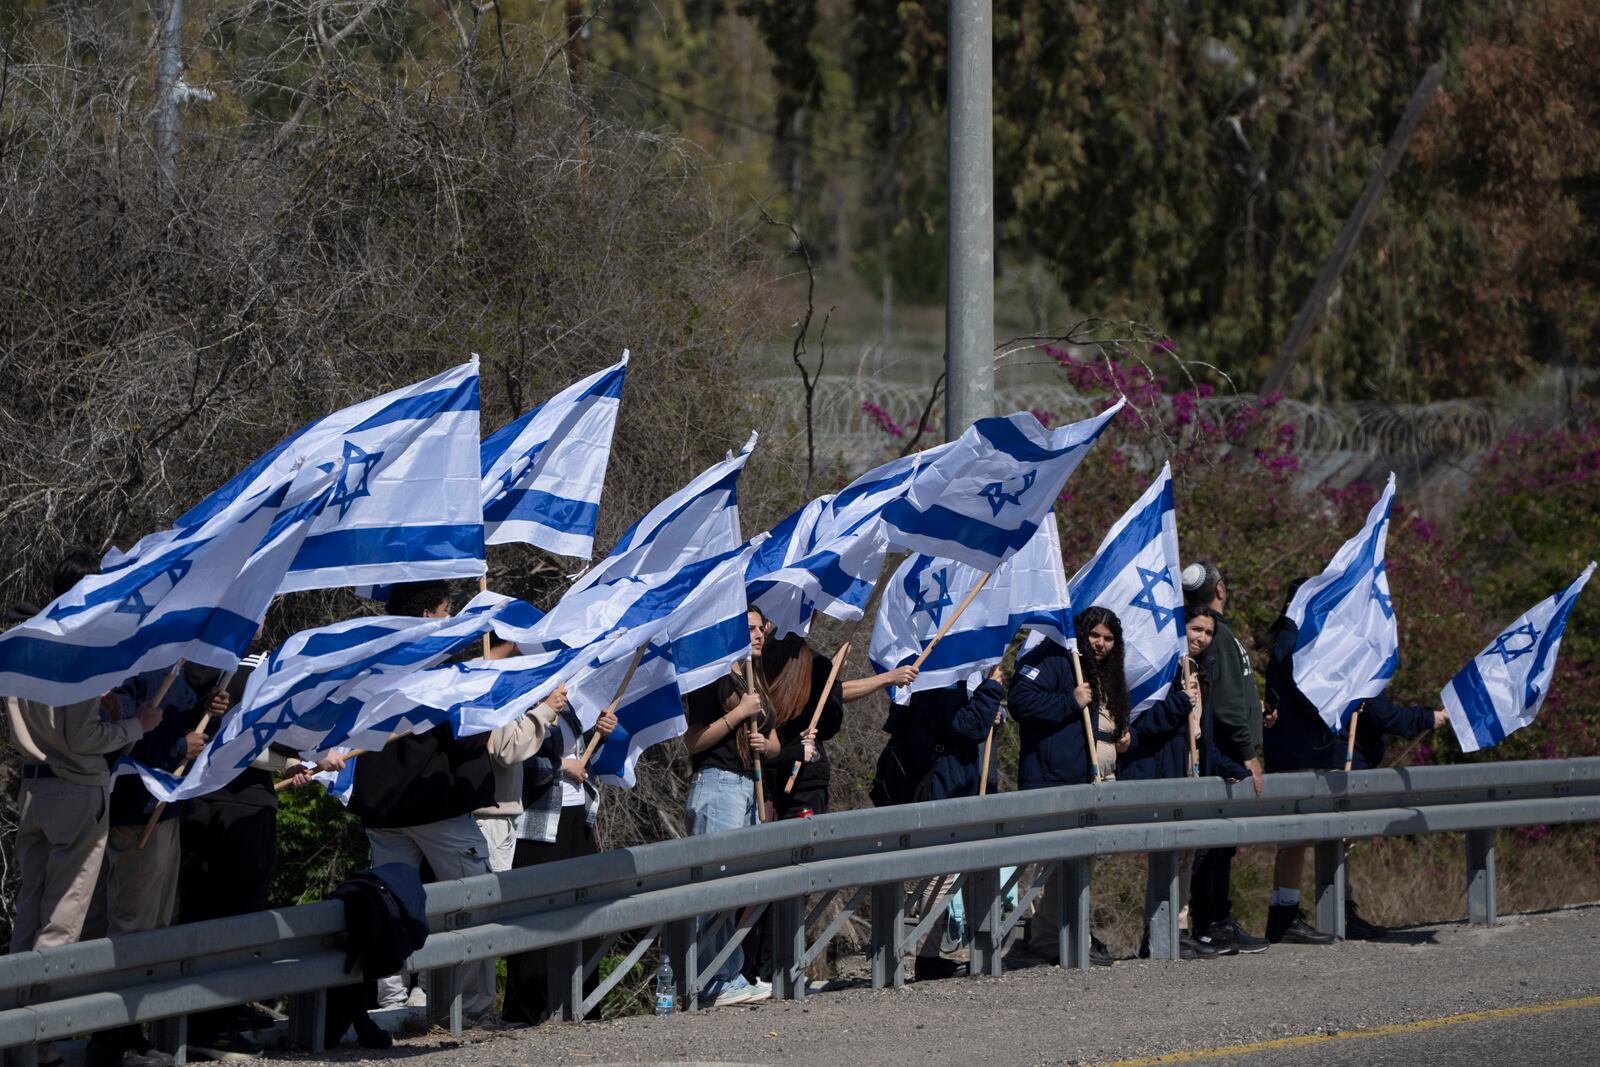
(138,887)
(61,839)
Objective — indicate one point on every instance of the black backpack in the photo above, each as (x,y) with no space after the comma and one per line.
(385,918)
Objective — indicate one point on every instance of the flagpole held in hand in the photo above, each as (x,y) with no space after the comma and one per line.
(822,701)
(951,621)
(205,720)
(616,701)
(1088,723)
(483,587)
(1194,719)
(1350,749)
(156,699)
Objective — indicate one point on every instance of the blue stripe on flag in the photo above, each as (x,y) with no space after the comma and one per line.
(943,524)
(705,646)
(659,706)
(1146,689)
(1330,596)
(1143,529)
(64,662)
(1477,706)
(390,544)
(463,397)
(546,509)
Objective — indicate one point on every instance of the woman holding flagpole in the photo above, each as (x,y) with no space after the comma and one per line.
(725,743)
(1299,740)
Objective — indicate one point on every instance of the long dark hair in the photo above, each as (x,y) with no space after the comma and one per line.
(1106,678)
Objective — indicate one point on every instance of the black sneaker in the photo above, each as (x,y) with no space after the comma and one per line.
(935,967)
(1190,949)
(1248,943)
(1099,955)
(1358,929)
(1219,938)
(1286,924)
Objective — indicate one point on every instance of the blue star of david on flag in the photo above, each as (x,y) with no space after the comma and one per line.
(1145,598)
(1382,597)
(935,608)
(999,496)
(136,604)
(346,494)
(1507,651)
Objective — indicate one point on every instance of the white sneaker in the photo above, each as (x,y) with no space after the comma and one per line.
(418,998)
(760,990)
(737,992)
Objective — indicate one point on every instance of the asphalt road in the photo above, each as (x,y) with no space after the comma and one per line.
(1526,990)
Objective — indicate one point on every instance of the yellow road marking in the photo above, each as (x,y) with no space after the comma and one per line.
(1350,1035)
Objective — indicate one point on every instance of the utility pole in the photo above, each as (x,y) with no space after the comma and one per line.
(168,65)
(969,275)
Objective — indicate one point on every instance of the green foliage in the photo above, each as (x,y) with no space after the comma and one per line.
(319,845)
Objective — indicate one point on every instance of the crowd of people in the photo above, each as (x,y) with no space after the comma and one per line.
(101,858)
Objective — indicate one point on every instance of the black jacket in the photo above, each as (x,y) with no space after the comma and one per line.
(422,778)
(1300,740)
(1054,750)
(1160,743)
(811,787)
(944,730)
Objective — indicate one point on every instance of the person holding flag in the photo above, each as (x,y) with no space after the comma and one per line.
(1334,651)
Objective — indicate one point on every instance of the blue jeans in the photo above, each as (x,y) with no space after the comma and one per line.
(720,800)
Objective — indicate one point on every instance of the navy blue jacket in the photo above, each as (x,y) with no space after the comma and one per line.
(1159,745)
(1301,741)
(1054,750)
(945,730)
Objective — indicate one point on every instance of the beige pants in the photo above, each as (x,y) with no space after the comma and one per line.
(938,888)
(499,833)
(61,838)
(454,848)
(138,887)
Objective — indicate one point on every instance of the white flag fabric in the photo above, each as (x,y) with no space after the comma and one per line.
(1027,591)
(1502,688)
(1348,648)
(543,472)
(406,505)
(1135,575)
(827,556)
(698,520)
(196,594)
(651,713)
(300,698)
(982,499)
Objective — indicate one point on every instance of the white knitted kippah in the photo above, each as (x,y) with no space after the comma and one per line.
(1194,576)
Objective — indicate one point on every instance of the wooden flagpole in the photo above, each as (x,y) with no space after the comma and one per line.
(822,701)
(483,587)
(205,720)
(753,686)
(155,701)
(1088,723)
(983,768)
(1194,720)
(951,621)
(616,700)
(1400,758)
(1350,749)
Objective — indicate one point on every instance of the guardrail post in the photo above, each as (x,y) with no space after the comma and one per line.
(444,998)
(788,919)
(888,923)
(1331,881)
(308,1020)
(1161,905)
(1480,877)
(564,979)
(1074,936)
(172,1037)
(984,907)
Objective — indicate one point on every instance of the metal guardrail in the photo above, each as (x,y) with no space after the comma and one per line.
(861,857)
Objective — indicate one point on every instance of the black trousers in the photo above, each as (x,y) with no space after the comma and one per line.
(759,946)
(527,989)
(1209,901)
(229,853)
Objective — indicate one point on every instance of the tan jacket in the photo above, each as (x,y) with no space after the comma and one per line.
(509,746)
(72,741)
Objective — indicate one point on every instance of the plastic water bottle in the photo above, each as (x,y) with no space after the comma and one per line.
(664,988)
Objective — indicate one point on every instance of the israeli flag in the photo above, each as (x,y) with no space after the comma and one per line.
(651,713)
(300,698)
(1503,687)
(1028,591)
(593,628)
(983,498)
(406,505)
(827,556)
(698,520)
(1348,648)
(1135,574)
(543,472)
(196,594)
